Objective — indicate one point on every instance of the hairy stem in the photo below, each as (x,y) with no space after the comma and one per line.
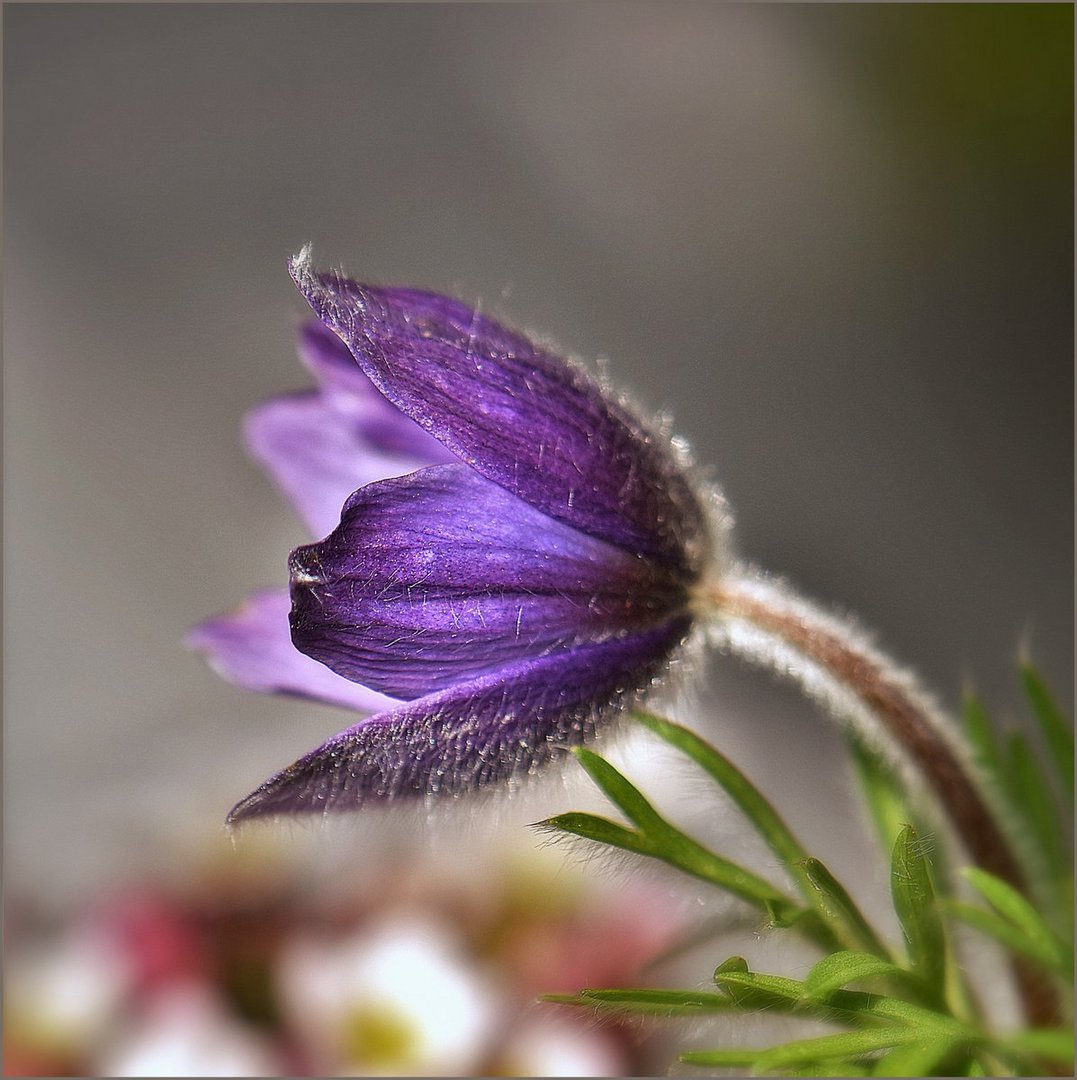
(772,622)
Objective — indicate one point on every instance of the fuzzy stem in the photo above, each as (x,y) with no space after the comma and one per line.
(893,703)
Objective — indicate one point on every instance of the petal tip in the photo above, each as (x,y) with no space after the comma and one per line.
(241,813)
(255,805)
(300,265)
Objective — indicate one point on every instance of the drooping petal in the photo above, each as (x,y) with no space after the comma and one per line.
(317,456)
(478,732)
(252,648)
(440,575)
(351,393)
(518,415)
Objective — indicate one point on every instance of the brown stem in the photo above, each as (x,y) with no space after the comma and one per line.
(914,731)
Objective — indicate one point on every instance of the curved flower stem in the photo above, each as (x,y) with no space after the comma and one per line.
(764,621)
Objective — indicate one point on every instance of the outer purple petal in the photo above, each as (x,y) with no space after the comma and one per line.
(520,416)
(252,647)
(350,393)
(317,456)
(476,733)
(438,576)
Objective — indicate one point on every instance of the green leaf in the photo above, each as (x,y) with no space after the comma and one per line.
(1042,1051)
(756,991)
(659,839)
(889,802)
(842,968)
(919,1058)
(766,821)
(622,793)
(753,991)
(847,1044)
(1013,907)
(746,1059)
(755,807)
(648,1002)
(835,1067)
(733,963)
(839,910)
(1056,732)
(695,859)
(721,1059)
(1032,796)
(915,907)
(784,916)
(1058,959)
(1053,1044)
(883,791)
(981,735)
(599,829)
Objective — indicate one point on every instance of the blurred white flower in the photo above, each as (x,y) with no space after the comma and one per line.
(185,1031)
(62,996)
(399,998)
(551,1046)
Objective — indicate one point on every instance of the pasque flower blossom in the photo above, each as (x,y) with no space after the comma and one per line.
(510,556)
(513,554)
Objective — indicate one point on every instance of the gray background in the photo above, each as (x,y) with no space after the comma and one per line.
(835,241)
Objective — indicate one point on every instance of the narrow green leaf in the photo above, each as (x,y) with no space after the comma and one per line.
(1058,959)
(995,766)
(1053,1044)
(847,1044)
(1029,1054)
(599,829)
(661,840)
(889,803)
(732,963)
(1020,788)
(1032,796)
(834,1067)
(647,1002)
(981,735)
(750,991)
(915,907)
(842,968)
(1057,734)
(768,823)
(745,1059)
(753,991)
(757,991)
(882,790)
(1013,907)
(622,793)
(721,1059)
(695,859)
(784,916)
(755,807)
(673,847)
(919,1058)
(840,912)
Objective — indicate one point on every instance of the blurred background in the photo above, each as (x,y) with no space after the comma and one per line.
(834,241)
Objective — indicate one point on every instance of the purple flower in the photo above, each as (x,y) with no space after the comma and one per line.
(319,446)
(536,575)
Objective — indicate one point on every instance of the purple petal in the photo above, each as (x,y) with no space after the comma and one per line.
(348,390)
(438,576)
(252,647)
(520,416)
(316,455)
(476,733)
